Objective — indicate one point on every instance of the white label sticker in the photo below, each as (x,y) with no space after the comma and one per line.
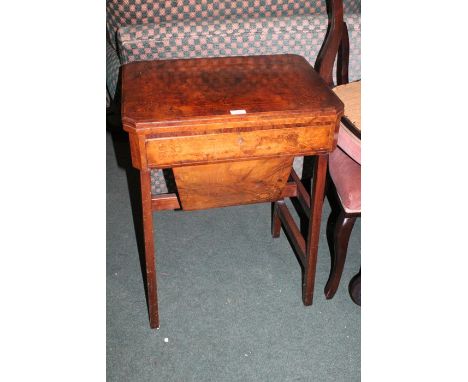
(237,112)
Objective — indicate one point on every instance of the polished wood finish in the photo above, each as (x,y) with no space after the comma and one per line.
(198,149)
(171,201)
(355,288)
(292,231)
(318,187)
(150,256)
(185,96)
(342,64)
(339,227)
(302,194)
(165,202)
(305,250)
(135,142)
(275,221)
(338,230)
(289,190)
(182,109)
(229,128)
(232,183)
(329,50)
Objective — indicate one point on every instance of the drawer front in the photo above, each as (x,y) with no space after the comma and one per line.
(197,149)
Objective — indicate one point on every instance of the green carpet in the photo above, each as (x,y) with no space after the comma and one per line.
(229,297)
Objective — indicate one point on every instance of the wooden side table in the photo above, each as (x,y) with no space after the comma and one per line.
(229,128)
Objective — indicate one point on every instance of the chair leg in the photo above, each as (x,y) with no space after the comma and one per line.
(341,231)
(355,288)
(316,204)
(275,221)
(145,179)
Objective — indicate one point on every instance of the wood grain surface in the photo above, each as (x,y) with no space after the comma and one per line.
(232,183)
(158,93)
(193,149)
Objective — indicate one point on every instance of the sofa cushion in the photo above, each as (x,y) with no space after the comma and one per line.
(303,35)
(112,69)
(131,12)
(210,38)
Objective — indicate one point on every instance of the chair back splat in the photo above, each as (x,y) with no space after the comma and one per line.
(329,50)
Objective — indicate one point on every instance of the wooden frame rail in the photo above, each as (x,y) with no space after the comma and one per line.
(292,231)
(171,201)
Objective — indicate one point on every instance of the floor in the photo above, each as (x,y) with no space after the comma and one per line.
(229,297)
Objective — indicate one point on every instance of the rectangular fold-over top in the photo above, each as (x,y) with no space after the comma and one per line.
(159,96)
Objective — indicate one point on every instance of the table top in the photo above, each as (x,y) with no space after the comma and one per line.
(164,93)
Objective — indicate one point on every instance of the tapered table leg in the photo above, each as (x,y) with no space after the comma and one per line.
(145,179)
(317,192)
(275,221)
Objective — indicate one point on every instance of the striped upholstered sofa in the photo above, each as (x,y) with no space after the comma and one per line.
(166,29)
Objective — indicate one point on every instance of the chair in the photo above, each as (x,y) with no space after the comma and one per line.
(344,178)
(345,188)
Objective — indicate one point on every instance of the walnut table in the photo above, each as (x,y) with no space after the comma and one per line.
(229,128)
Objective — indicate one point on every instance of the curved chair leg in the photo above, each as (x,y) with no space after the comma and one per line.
(355,288)
(343,225)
